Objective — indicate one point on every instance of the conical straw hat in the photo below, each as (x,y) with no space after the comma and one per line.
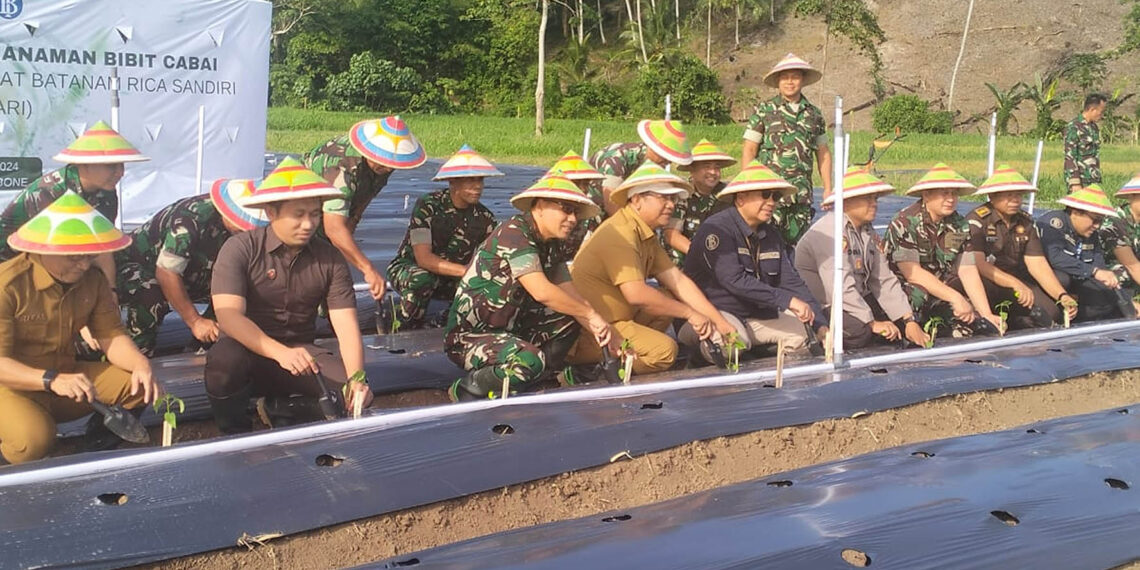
(1132,187)
(858,182)
(69,226)
(756,176)
(573,167)
(290,181)
(940,177)
(1090,199)
(99,145)
(650,178)
(227,196)
(667,139)
(387,141)
(466,163)
(1005,179)
(792,61)
(706,151)
(555,187)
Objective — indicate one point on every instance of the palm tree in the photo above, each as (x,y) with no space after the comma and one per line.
(1007,102)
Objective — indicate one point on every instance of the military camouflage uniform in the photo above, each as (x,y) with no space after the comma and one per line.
(41,194)
(938,247)
(1120,232)
(183,238)
(343,167)
(689,215)
(1082,152)
(618,160)
(789,136)
(494,324)
(453,234)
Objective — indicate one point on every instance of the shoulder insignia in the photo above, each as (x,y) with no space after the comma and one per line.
(712,241)
(982,211)
(1020,229)
(1056,222)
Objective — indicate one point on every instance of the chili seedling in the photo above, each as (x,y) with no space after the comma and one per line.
(931,329)
(169,417)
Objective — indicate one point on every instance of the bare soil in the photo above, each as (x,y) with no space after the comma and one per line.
(673,473)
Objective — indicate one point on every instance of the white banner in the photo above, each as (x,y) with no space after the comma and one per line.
(172,56)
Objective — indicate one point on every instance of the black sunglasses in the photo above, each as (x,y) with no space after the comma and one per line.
(566,207)
(770,194)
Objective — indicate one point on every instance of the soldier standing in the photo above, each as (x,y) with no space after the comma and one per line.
(1121,236)
(1010,258)
(1082,144)
(785,134)
(358,164)
(171,260)
(704,175)
(516,312)
(927,244)
(445,229)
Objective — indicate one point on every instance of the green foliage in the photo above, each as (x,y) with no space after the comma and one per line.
(1131,41)
(1115,125)
(592,100)
(168,402)
(910,113)
(851,19)
(373,84)
(695,90)
(1046,99)
(1085,70)
(931,329)
(1006,102)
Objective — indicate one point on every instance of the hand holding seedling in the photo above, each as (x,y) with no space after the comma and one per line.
(931,329)
(1069,308)
(357,394)
(886,329)
(1023,294)
(915,334)
(735,345)
(1003,316)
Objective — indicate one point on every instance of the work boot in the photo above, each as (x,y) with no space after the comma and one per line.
(285,411)
(479,383)
(457,394)
(230,412)
(97,437)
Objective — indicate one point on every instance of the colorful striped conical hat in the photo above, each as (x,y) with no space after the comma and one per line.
(228,195)
(290,181)
(556,187)
(859,182)
(1005,179)
(1090,199)
(99,145)
(706,151)
(387,141)
(650,178)
(756,176)
(574,167)
(667,139)
(940,177)
(69,226)
(466,164)
(1131,188)
(792,61)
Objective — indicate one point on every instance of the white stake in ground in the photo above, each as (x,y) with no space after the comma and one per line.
(838,171)
(586,144)
(115,126)
(201,148)
(1036,172)
(993,146)
(668,106)
(846,158)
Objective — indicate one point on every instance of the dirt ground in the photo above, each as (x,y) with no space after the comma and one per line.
(672,473)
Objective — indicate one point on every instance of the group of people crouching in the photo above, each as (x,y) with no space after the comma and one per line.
(602,260)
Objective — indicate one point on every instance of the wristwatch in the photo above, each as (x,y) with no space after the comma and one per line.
(48,378)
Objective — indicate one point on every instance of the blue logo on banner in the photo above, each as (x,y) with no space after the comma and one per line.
(10,9)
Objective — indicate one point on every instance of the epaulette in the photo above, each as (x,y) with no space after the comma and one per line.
(982,211)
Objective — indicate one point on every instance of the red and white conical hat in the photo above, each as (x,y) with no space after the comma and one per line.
(466,163)
(99,145)
(556,187)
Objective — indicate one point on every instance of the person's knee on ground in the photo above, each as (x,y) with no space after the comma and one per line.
(31,437)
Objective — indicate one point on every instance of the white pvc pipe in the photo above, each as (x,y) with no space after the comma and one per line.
(385,421)
(668,106)
(993,146)
(839,169)
(586,145)
(846,152)
(201,147)
(1036,172)
(115,125)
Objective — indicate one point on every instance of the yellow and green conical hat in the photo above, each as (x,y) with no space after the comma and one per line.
(68,226)
(290,181)
(706,151)
(756,176)
(650,178)
(667,139)
(574,167)
(939,177)
(1131,187)
(1090,199)
(859,182)
(1005,179)
(100,144)
(556,187)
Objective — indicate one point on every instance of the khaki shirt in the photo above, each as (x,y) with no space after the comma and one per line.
(865,270)
(40,318)
(624,249)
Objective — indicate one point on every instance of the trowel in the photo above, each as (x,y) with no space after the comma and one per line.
(122,423)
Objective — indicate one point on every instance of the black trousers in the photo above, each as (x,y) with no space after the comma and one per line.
(857,334)
(1042,314)
(1095,301)
(232,368)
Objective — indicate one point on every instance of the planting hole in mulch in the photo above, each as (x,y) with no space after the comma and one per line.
(1006,518)
(618,518)
(653,406)
(503,429)
(1117,484)
(113,499)
(923,454)
(856,558)
(326,460)
(782,483)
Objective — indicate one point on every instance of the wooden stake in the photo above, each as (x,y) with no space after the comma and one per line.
(780,364)
(506,386)
(357,407)
(628,364)
(167,434)
(828,347)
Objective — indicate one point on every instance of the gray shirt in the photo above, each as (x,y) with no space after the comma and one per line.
(865,271)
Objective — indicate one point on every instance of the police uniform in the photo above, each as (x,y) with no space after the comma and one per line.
(1005,245)
(1074,260)
(747,274)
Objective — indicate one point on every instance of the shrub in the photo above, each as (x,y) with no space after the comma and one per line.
(372,84)
(593,100)
(694,87)
(912,114)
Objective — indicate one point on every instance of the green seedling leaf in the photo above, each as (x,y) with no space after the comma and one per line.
(170,418)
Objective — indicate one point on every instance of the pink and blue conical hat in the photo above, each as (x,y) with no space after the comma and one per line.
(68,226)
(466,164)
(388,142)
(228,195)
(1132,187)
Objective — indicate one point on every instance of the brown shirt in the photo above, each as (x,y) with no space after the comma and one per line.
(39,317)
(1004,244)
(624,249)
(281,289)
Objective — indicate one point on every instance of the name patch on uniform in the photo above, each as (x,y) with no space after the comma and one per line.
(742,250)
(768,255)
(712,241)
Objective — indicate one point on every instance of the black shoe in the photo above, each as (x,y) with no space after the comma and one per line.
(230,413)
(278,412)
(97,437)
(456,393)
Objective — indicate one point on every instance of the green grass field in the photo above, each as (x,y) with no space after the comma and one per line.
(510,140)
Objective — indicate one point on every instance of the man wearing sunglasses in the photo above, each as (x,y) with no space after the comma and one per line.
(1072,242)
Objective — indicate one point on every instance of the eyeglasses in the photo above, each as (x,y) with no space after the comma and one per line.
(567,208)
(1096,219)
(673,198)
(769,194)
